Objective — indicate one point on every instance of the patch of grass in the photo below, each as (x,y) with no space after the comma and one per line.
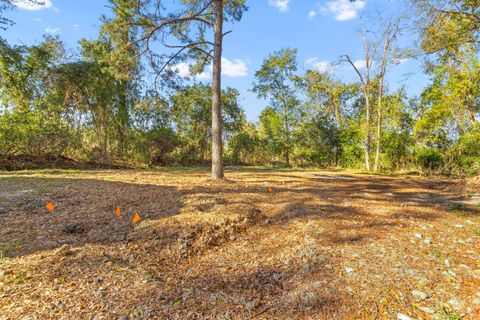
(184,169)
(5,248)
(62,278)
(457,207)
(436,254)
(44,171)
(20,279)
(445,314)
(44,189)
(461,209)
(152,277)
(476,231)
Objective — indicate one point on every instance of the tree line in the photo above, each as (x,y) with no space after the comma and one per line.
(120,99)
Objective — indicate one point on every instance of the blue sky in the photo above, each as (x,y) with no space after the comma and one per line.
(321,30)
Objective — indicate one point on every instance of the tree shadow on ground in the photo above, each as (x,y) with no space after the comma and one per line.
(84,210)
(85,215)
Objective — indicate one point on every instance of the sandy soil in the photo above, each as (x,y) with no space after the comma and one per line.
(264,245)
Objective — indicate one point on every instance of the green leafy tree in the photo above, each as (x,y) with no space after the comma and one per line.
(90,91)
(32,119)
(243,146)
(122,62)
(191,113)
(271,134)
(185,32)
(328,93)
(451,104)
(276,80)
(448,24)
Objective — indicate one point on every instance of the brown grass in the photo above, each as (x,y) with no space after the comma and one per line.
(320,245)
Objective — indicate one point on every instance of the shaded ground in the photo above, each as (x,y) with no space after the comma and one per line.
(263,245)
(11,162)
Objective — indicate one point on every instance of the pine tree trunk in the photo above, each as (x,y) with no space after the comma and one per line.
(217,146)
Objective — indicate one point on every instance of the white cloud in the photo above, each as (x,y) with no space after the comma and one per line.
(27,5)
(359,64)
(344,10)
(183,70)
(312,13)
(76,26)
(38,19)
(232,69)
(399,60)
(321,66)
(52,30)
(235,68)
(281,5)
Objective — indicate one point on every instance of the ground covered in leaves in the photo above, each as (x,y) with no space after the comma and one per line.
(264,245)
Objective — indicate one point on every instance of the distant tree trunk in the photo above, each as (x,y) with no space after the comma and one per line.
(379,132)
(287,144)
(471,112)
(366,88)
(217,146)
(123,120)
(390,35)
(338,116)
(368,62)
(367,130)
(286,128)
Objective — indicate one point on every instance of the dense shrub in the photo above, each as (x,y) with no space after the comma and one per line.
(430,160)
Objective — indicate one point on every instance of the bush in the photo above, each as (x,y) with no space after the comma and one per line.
(430,160)
(155,147)
(468,149)
(33,133)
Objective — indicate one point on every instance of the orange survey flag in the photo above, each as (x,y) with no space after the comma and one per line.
(118,213)
(50,206)
(136,218)
(270,189)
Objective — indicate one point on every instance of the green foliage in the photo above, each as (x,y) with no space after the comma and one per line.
(448,24)
(6,248)
(430,160)
(244,146)
(192,116)
(317,142)
(276,80)
(445,314)
(351,148)
(159,144)
(94,106)
(468,152)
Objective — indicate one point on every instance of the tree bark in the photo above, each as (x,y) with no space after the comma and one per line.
(390,34)
(123,118)
(367,84)
(217,145)
(367,130)
(379,129)
(287,144)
